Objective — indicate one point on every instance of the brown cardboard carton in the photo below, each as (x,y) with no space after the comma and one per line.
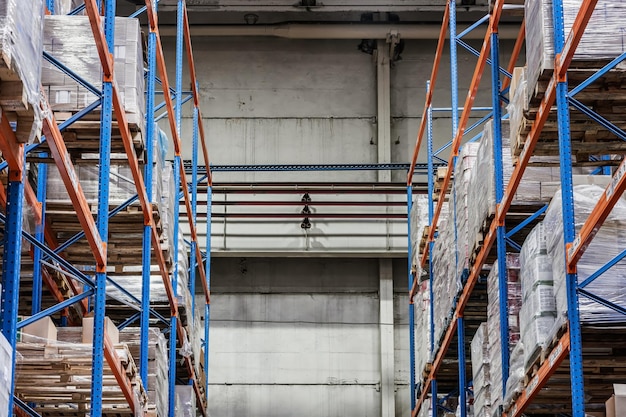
(111,330)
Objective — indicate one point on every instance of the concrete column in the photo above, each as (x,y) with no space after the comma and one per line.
(383,114)
(387,383)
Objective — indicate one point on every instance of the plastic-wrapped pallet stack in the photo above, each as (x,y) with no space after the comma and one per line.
(606,245)
(482,189)
(603,37)
(21,46)
(185,401)
(6,374)
(426,410)
(493,322)
(419,220)
(462,177)
(480,372)
(158,369)
(422,326)
(538,307)
(69,39)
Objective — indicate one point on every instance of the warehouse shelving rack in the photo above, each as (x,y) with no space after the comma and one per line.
(96,231)
(570,343)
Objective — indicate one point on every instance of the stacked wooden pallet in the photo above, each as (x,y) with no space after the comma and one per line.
(56,378)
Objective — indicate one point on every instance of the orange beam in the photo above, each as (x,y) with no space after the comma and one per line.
(429,92)
(70,180)
(177,144)
(467,109)
(12,151)
(550,365)
(118,371)
(196,94)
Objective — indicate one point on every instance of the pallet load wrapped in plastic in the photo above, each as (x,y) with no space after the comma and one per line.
(21,48)
(480,372)
(158,365)
(446,285)
(462,176)
(185,401)
(602,39)
(517,372)
(514,302)
(518,105)
(6,375)
(419,220)
(482,192)
(425,409)
(69,39)
(423,354)
(609,241)
(538,312)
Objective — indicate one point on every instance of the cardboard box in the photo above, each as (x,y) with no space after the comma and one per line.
(40,331)
(616,405)
(111,330)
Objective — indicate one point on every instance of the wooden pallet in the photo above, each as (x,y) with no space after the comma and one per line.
(606,96)
(56,377)
(14,102)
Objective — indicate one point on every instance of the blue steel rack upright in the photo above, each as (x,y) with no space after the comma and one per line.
(96,231)
(570,344)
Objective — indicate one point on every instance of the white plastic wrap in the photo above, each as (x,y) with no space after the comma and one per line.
(493,321)
(423,354)
(6,375)
(518,103)
(185,401)
(481,371)
(607,244)
(21,46)
(517,372)
(463,171)
(425,410)
(70,40)
(603,38)
(419,220)
(538,312)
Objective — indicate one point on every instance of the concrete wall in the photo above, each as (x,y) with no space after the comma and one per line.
(301,337)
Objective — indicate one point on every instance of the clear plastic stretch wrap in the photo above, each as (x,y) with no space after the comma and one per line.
(482,193)
(493,321)
(603,38)
(166,209)
(425,410)
(158,368)
(21,46)
(445,286)
(185,401)
(538,307)
(419,220)
(6,374)
(423,355)
(462,175)
(518,104)
(517,372)
(606,245)
(480,372)
(70,40)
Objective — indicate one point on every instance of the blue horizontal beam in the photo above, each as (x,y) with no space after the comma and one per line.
(65,264)
(129,321)
(597,118)
(55,308)
(527,221)
(67,71)
(602,301)
(473,26)
(312,167)
(597,75)
(602,270)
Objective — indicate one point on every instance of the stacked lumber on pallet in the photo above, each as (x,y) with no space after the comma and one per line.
(55,375)
(423,337)
(20,65)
